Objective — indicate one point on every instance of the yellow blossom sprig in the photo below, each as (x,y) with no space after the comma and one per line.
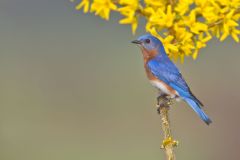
(129,11)
(184,26)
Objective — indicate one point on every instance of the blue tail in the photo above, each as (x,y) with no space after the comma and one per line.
(197,108)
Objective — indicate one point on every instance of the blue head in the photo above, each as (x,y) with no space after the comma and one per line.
(150,45)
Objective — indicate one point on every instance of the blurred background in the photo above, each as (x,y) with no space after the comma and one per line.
(73,87)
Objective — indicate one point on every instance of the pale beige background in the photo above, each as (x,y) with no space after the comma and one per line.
(72,87)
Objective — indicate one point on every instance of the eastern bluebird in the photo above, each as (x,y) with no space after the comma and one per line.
(165,76)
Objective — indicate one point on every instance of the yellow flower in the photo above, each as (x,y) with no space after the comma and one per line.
(229,27)
(129,2)
(207,10)
(170,48)
(201,43)
(156,4)
(184,40)
(160,19)
(183,6)
(129,11)
(84,4)
(229,3)
(234,34)
(195,26)
(183,27)
(103,8)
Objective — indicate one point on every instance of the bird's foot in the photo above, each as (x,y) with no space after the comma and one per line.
(169,141)
(163,101)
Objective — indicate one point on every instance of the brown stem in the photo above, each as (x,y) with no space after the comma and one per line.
(172,2)
(168,142)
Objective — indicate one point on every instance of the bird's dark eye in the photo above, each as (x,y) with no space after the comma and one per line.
(147,40)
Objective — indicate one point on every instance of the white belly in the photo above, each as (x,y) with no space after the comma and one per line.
(163,88)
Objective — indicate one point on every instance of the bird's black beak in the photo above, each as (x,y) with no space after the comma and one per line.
(137,42)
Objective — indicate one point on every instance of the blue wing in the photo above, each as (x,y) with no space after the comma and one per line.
(167,72)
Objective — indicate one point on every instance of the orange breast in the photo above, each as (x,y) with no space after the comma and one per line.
(147,56)
(151,77)
(149,73)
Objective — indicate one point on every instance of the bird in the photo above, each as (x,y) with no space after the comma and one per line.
(164,75)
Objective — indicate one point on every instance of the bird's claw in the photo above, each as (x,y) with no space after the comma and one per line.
(170,101)
(163,100)
(169,141)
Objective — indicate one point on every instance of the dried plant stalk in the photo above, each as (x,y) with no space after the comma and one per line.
(168,142)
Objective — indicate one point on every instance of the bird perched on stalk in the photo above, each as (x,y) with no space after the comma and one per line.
(165,76)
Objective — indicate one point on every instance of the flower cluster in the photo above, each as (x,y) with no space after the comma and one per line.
(184,26)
